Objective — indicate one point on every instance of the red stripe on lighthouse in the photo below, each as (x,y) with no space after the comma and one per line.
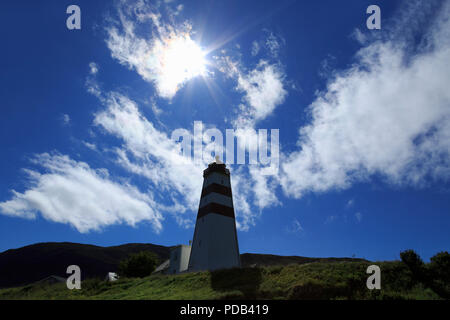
(216,208)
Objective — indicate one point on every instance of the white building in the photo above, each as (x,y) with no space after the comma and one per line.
(179,259)
(215,244)
(111,276)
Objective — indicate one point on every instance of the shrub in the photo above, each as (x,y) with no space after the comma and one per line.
(411,259)
(317,290)
(440,266)
(434,275)
(138,265)
(439,274)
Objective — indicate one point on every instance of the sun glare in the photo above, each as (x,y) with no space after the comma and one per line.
(180,59)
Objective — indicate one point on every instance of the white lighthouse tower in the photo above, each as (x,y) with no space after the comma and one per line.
(215,244)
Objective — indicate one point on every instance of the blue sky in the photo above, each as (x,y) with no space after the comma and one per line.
(364,120)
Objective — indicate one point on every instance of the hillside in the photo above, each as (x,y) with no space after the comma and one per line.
(35,262)
(316,280)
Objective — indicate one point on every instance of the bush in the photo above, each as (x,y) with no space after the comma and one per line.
(439,273)
(440,266)
(415,265)
(138,265)
(434,276)
(411,259)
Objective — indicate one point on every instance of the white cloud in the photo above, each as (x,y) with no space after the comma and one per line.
(387,115)
(71,192)
(350,203)
(331,219)
(326,66)
(255,48)
(273,44)
(93,68)
(264,91)
(358,216)
(264,187)
(295,227)
(359,36)
(156,110)
(152,154)
(263,88)
(65,119)
(179,8)
(241,186)
(148,151)
(89,145)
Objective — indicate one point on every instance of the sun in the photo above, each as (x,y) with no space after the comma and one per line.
(179,60)
(184,59)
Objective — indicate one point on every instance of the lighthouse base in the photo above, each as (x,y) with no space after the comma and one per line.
(215,244)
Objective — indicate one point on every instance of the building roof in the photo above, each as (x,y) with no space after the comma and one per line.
(216,167)
(163,266)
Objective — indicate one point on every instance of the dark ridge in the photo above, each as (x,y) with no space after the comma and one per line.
(251,259)
(36,262)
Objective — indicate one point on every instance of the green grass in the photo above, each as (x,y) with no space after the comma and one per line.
(318,280)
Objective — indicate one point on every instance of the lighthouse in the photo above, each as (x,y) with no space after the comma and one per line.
(215,244)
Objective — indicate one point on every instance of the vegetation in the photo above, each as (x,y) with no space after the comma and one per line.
(435,275)
(316,280)
(139,265)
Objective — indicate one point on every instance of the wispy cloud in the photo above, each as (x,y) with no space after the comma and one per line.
(263,90)
(263,87)
(65,119)
(71,192)
(152,154)
(274,43)
(270,43)
(149,152)
(93,68)
(331,219)
(350,203)
(89,145)
(255,48)
(295,227)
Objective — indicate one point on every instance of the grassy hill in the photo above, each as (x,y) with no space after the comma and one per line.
(315,280)
(32,263)
(263,276)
